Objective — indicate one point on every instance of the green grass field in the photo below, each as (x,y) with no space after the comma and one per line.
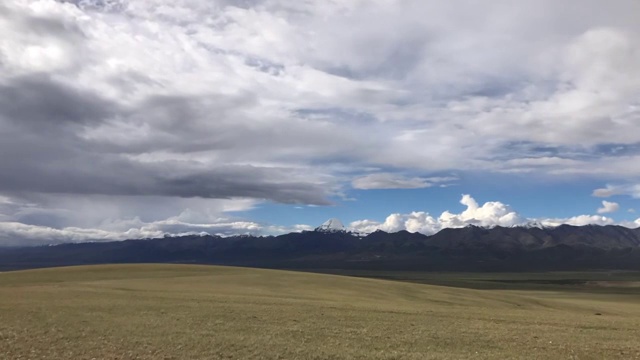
(208,312)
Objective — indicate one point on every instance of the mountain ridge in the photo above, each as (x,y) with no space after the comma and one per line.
(470,248)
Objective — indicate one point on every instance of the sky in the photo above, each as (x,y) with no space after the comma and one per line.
(134,119)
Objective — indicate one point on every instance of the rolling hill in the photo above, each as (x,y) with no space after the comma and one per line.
(210,312)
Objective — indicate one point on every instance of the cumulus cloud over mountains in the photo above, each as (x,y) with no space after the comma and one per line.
(490,214)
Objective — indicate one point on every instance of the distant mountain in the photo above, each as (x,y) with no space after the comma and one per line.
(470,248)
(331,225)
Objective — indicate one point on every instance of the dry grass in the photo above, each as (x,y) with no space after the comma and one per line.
(200,312)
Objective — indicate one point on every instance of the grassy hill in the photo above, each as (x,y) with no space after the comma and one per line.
(207,312)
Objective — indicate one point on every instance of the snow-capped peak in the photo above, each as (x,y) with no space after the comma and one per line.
(331,225)
(533,224)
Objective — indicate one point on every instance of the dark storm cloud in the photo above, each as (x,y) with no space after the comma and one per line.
(95,174)
(38,101)
(43,151)
(54,168)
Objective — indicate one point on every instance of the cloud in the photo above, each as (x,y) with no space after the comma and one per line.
(240,75)
(580,220)
(19,234)
(396,181)
(104,220)
(47,107)
(186,223)
(605,192)
(61,218)
(270,101)
(632,190)
(490,214)
(121,132)
(608,207)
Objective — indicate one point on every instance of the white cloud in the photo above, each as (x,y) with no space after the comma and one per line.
(414,222)
(606,192)
(30,43)
(63,218)
(632,190)
(580,220)
(490,214)
(608,207)
(19,234)
(397,181)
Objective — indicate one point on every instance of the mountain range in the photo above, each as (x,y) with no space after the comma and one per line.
(329,246)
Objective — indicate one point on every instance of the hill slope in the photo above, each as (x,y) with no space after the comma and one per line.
(199,312)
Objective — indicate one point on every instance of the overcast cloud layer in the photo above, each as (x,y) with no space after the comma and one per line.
(123,119)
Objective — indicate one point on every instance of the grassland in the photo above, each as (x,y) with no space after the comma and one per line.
(203,312)
(603,282)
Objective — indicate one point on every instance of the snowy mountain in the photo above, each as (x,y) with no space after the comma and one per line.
(533,224)
(331,225)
